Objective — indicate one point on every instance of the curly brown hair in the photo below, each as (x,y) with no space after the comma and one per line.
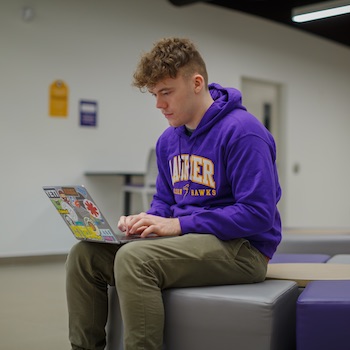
(168,57)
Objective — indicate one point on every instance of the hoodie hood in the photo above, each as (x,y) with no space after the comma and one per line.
(226,100)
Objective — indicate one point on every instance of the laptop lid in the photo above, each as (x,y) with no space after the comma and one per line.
(82,215)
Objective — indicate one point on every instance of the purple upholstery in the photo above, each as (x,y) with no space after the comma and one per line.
(299,258)
(323,316)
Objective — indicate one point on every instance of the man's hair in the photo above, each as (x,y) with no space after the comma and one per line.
(168,57)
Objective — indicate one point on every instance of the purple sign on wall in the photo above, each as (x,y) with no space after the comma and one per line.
(88,113)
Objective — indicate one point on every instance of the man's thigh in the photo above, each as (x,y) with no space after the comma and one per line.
(194,260)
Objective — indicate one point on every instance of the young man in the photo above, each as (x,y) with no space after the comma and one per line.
(217,192)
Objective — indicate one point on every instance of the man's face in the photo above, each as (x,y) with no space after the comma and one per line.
(176,99)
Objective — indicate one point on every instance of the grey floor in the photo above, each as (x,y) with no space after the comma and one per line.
(33,313)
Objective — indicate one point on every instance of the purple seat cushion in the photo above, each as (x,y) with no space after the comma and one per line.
(323,316)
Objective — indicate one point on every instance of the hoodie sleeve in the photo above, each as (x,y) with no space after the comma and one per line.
(251,172)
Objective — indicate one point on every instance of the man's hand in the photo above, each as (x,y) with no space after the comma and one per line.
(145,224)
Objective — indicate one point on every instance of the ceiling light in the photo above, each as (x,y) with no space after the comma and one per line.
(320,10)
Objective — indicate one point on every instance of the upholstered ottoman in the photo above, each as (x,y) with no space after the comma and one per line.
(251,317)
(279,258)
(316,241)
(323,316)
(114,327)
(257,316)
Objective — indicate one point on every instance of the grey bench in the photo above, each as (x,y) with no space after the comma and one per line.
(315,241)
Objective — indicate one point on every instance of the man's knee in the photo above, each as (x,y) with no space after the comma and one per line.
(129,261)
(92,261)
(81,249)
(80,255)
(128,253)
(88,255)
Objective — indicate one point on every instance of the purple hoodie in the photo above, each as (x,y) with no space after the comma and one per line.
(221,180)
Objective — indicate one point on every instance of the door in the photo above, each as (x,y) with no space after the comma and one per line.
(263,99)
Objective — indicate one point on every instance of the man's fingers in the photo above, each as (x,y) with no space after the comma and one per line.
(122,223)
(136,225)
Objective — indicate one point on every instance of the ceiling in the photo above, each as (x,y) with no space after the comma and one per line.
(336,28)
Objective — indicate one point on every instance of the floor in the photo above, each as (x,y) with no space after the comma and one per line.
(33,313)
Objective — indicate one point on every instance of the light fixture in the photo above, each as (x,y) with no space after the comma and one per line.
(320,10)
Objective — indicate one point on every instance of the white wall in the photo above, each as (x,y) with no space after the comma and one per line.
(94,47)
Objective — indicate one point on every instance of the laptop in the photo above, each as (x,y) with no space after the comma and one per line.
(83,217)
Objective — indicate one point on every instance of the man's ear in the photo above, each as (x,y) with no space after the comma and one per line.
(198,83)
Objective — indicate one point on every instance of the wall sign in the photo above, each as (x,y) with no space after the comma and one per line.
(88,113)
(58,99)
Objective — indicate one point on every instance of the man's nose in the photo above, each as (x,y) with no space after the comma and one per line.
(160,103)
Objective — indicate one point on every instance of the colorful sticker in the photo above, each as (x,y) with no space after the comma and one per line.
(70,211)
(85,232)
(70,191)
(107,234)
(82,191)
(91,226)
(92,208)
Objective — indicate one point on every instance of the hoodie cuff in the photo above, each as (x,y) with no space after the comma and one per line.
(185,224)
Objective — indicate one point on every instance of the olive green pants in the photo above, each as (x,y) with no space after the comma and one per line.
(140,270)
